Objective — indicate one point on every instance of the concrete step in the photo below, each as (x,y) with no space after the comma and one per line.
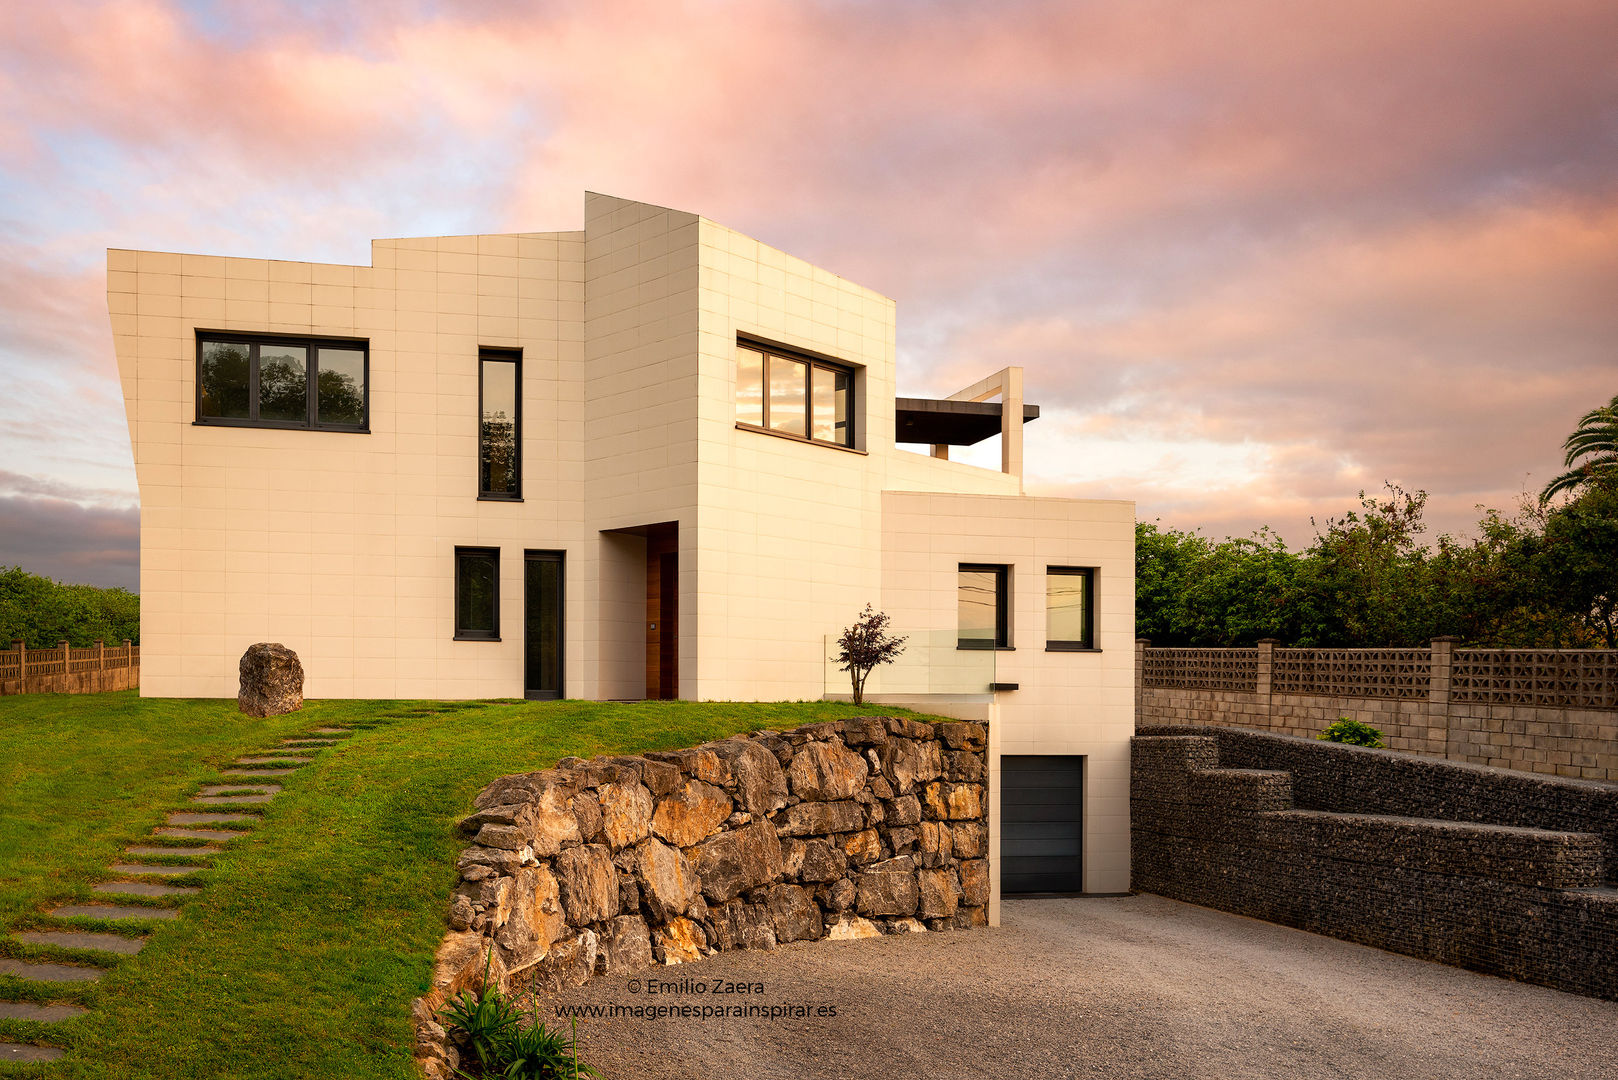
(208,819)
(144,888)
(253,789)
(114,911)
(166,871)
(24,1052)
(76,939)
(44,972)
(187,852)
(39,1014)
(229,800)
(271,759)
(256,772)
(199,834)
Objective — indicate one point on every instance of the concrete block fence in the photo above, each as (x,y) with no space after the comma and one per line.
(1550,711)
(66,670)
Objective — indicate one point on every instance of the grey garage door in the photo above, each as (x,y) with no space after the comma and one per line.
(1041,824)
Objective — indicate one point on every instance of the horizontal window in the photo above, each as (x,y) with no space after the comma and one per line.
(262,380)
(1069,607)
(797,396)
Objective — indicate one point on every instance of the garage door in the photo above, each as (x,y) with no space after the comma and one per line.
(1041,824)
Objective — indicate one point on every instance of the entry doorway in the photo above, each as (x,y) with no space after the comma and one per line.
(1041,824)
(543,586)
(663,611)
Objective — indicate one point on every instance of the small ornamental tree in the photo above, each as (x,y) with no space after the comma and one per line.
(864,646)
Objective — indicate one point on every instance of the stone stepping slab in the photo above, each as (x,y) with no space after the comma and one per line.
(256,772)
(25,1052)
(259,759)
(197,834)
(77,939)
(22,969)
(329,731)
(208,819)
(138,868)
(312,742)
(226,800)
(260,789)
(40,1014)
(114,911)
(187,852)
(144,888)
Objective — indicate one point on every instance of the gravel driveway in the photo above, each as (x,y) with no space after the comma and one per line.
(1130,987)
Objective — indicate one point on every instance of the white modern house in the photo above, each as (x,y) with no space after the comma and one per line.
(650,458)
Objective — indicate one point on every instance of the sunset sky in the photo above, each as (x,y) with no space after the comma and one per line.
(1255,256)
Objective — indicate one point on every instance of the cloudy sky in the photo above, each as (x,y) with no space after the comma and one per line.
(1255,256)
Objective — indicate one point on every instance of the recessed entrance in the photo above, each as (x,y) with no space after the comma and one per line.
(1041,824)
(542,624)
(663,611)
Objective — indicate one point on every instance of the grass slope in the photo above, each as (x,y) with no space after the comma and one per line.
(318,927)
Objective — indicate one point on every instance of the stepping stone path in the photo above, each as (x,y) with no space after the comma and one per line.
(22,969)
(176,826)
(188,852)
(68,939)
(196,834)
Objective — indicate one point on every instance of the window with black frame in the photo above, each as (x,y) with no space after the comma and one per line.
(477,594)
(500,424)
(983,606)
(799,396)
(1070,624)
(272,380)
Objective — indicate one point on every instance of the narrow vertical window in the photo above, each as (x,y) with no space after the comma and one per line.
(477,594)
(499,425)
(983,607)
(1069,608)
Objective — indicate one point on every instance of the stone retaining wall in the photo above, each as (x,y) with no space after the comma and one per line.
(836,830)
(1483,868)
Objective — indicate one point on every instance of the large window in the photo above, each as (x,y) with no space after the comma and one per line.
(259,380)
(499,424)
(983,601)
(477,594)
(797,396)
(1070,608)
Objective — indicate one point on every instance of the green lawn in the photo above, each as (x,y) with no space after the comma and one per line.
(318,927)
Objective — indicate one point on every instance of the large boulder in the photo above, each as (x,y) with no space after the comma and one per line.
(822,818)
(794,913)
(734,861)
(826,771)
(670,885)
(271,680)
(534,918)
(691,812)
(588,884)
(761,786)
(626,813)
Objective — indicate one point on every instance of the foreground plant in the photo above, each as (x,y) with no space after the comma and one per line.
(486,1018)
(494,1034)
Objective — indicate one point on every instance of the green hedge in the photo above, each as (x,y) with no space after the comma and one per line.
(44,613)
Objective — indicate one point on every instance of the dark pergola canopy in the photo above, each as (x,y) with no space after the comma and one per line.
(950,423)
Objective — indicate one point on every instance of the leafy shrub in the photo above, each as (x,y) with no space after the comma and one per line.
(1351,732)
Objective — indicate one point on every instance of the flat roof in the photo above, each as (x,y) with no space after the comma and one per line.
(949,423)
